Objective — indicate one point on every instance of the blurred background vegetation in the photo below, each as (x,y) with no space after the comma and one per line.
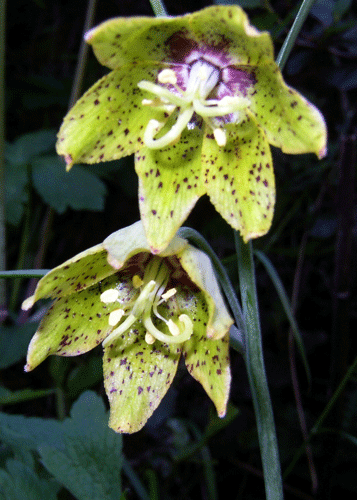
(184,451)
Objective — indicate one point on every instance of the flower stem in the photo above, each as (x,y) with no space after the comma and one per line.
(24,273)
(2,150)
(256,372)
(293,33)
(159,8)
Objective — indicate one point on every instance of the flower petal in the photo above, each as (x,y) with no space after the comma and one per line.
(207,361)
(77,273)
(136,378)
(123,41)
(109,121)
(169,186)
(199,268)
(228,37)
(131,240)
(289,120)
(239,178)
(77,323)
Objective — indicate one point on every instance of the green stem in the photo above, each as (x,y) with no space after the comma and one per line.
(159,8)
(198,240)
(293,33)
(24,273)
(256,372)
(82,55)
(2,149)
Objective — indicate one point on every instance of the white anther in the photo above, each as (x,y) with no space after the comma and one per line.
(149,339)
(220,136)
(167,76)
(168,294)
(202,73)
(109,296)
(115,317)
(174,329)
(137,281)
(147,102)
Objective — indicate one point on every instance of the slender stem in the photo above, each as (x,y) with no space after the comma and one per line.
(82,55)
(256,372)
(293,33)
(2,148)
(24,273)
(159,8)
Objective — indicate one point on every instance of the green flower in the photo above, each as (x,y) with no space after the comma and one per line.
(146,310)
(198,98)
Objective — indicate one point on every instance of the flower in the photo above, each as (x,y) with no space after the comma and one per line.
(146,310)
(198,98)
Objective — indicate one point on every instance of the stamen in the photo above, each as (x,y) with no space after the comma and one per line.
(169,339)
(115,317)
(110,295)
(172,135)
(167,76)
(220,136)
(130,320)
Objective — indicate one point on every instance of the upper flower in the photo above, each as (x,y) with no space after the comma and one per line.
(198,98)
(146,310)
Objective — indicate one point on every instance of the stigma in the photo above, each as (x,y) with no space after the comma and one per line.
(168,96)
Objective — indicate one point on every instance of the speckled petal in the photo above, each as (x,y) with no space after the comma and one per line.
(169,186)
(77,273)
(77,323)
(136,378)
(290,121)
(109,121)
(122,41)
(131,240)
(207,361)
(213,312)
(240,179)
(232,39)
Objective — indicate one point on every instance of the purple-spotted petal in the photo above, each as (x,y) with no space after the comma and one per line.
(109,121)
(239,178)
(169,186)
(136,377)
(290,121)
(78,322)
(207,361)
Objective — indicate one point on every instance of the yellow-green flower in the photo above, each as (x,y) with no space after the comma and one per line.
(146,310)
(198,98)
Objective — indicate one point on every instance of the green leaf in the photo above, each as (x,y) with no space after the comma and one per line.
(16,195)
(20,482)
(12,397)
(23,149)
(79,189)
(90,465)
(14,341)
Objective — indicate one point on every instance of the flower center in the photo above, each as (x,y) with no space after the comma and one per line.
(151,293)
(203,78)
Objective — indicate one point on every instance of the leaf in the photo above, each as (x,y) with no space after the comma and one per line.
(16,195)
(78,189)
(20,482)
(13,343)
(25,147)
(90,465)
(13,397)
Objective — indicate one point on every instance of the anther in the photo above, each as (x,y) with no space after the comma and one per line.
(115,317)
(109,296)
(149,339)
(167,76)
(168,294)
(137,281)
(220,136)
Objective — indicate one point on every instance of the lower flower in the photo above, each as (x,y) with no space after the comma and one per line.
(146,311)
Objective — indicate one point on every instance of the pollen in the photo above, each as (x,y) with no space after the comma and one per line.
(109,296)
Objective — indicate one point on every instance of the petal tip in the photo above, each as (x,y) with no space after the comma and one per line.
(28,303)
(322,153)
